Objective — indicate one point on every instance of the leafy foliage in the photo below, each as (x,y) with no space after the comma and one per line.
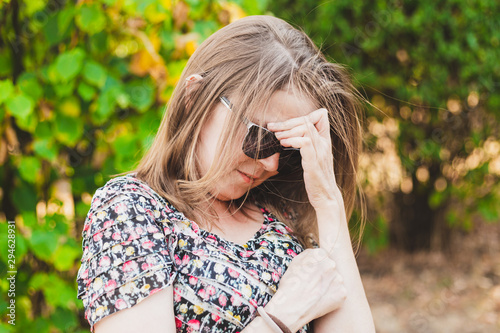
(83,88)
(431,72)
(82,92)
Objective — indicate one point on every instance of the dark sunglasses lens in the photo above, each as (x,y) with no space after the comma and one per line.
(290,162)
(269,144)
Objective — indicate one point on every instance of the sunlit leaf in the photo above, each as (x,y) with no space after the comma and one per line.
(125,145)
(29,85)
(43,243)
(86,91)
(90,18)
(67,129)
(65,256)
(5,62)
(6,89)
(69,64)
(64,89)
(94,73)
(20,106)
(65,17)
(57,291)
(29,168)
(24,198)
(46,148)
(141,93)
(70,107)
(34,5)
(64,319)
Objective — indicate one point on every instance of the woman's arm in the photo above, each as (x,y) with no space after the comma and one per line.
(311,134)
(355,314)
(155,313)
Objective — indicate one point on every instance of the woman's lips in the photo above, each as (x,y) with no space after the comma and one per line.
(247,178)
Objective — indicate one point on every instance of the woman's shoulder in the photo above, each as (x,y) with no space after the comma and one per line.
(125,198)
(127,185)
(127,245)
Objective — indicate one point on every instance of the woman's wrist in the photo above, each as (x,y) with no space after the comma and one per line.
(289,314)
(332,226)
(272,321)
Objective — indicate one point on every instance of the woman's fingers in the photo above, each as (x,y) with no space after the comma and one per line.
(306,129)
(318,118)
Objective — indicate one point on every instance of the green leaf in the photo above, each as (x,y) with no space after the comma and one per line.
(91,19)
(472,40)
(29,168)
(20,106)
(43,243)
(106,103)
(124,163)
(34,6)
(5,328)
(21,247)
(29,85)
(141,94)
(99,43)
(204,28)
(125,145)
(69,64)
(64,89)
(65,256)
(24,197)
(4,230)
(29,124)
(488,209)
(29,219)
(67,129)
(57,291)
(5,62)
(70,107)
(61,223)
(65,17)
(94,73)
(6,89)
(64,319)
(85,91)
(43,130)
(46,148)
(82,209)
(52,35)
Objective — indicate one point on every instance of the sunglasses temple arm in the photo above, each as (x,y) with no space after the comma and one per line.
(228,105)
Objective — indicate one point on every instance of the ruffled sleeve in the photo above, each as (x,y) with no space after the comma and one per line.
(128,246)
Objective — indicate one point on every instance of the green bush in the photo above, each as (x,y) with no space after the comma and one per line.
(82,92)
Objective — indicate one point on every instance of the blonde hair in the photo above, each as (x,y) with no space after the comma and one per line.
(249,60)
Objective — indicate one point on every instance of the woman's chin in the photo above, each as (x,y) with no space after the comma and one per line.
(232,195)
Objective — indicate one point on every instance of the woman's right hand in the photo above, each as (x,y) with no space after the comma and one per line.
(310,288)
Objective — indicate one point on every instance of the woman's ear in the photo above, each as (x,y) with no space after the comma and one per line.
(191,81)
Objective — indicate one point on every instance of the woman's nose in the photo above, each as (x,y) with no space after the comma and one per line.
(270,163)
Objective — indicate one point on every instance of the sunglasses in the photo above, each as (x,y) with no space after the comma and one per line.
(259,142)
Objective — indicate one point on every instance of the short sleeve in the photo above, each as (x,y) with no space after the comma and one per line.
(128,245)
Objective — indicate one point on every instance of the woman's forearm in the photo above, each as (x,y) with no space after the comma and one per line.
(258,325)
(354,315)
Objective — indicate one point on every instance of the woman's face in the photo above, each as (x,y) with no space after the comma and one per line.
(244,172)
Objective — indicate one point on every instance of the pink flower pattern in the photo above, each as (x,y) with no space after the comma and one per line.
(135,243)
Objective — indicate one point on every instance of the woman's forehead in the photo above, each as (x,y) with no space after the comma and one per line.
(284,105)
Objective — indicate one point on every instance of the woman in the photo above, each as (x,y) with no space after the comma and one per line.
(233,198)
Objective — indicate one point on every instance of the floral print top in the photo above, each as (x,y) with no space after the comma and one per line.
(135,243)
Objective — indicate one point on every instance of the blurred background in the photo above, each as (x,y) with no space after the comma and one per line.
(83,86)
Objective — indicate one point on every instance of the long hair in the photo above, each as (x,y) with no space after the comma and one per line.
(251,59)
